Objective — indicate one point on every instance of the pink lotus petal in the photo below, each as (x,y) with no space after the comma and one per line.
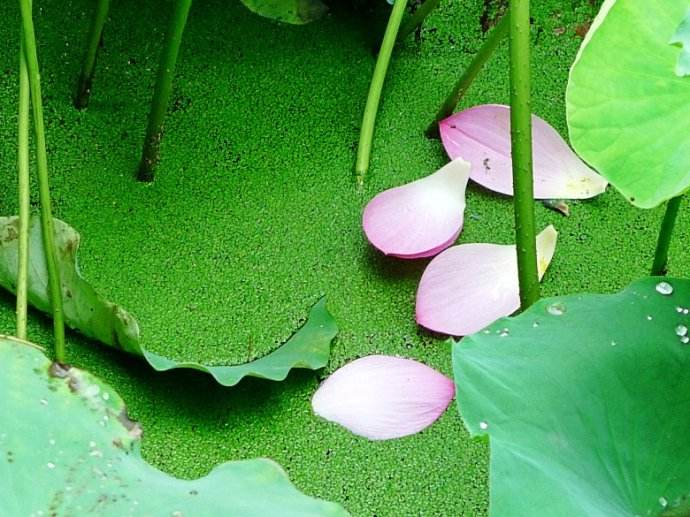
(382,397)
(481,135)
(422,218)
(470,286)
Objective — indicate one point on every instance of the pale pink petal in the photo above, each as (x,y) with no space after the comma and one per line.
(470,286)
(422,218)
(382,397)
(481,135)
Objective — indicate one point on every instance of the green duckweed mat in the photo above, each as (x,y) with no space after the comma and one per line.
(254,216)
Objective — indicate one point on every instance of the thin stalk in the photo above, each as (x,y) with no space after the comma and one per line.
(161,95)
(460,89)
(665,233)
(24,199)
(47,229)
(81,97)
(416,19)
(366,134)
(521,140)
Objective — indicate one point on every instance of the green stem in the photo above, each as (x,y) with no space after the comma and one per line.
(366,134)
(47,229)
(81,98)
(416,19)
(661,255)
(24,199)
(161,96)
(460,89)
(521,139)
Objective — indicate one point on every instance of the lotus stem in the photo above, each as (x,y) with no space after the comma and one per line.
(417,19)
(366,134)
(521,146)
(163,90)
(661,255)
(81,97)
(47,230)
(460,89)
(24,196)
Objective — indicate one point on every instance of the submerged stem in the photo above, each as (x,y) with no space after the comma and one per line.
(366,134)
(24,199)
(665,233)
(460,89)
(161,95)
(81,98)
(521,140)
(54,284)
(416,19)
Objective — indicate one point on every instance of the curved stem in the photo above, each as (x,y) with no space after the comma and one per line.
(665,233)
(81,98)
(24,199)
(417,19)
(54,285)
(161,95)
(521,140)
(366,134)
(460,89)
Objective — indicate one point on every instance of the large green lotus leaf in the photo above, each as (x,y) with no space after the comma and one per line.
(628,111)
(586,403)
(68,448)
(89,313)
(296,12)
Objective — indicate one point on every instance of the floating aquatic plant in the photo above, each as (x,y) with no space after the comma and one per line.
(382,397)
(419,219)
(481,135)
(469,286)
(89,313)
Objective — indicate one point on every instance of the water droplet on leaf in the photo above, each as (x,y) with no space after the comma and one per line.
(556,309)
(664,288)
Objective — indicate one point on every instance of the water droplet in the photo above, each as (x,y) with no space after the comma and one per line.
(44,402)
(556,309)
(663,501)
(504,333)
(487,331)
(613,343)
(685,340)
(92,390)
(50,465)
(685,311)
(664,288)
(649,318)
(679,309)
(535,324)
(681,330)
(105,396)
(92,444)
(51,441)
(483,425)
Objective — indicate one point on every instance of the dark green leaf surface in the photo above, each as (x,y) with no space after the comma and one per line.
(585,401)
(296,12)
(89,313)
(68,448)
(628,114)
